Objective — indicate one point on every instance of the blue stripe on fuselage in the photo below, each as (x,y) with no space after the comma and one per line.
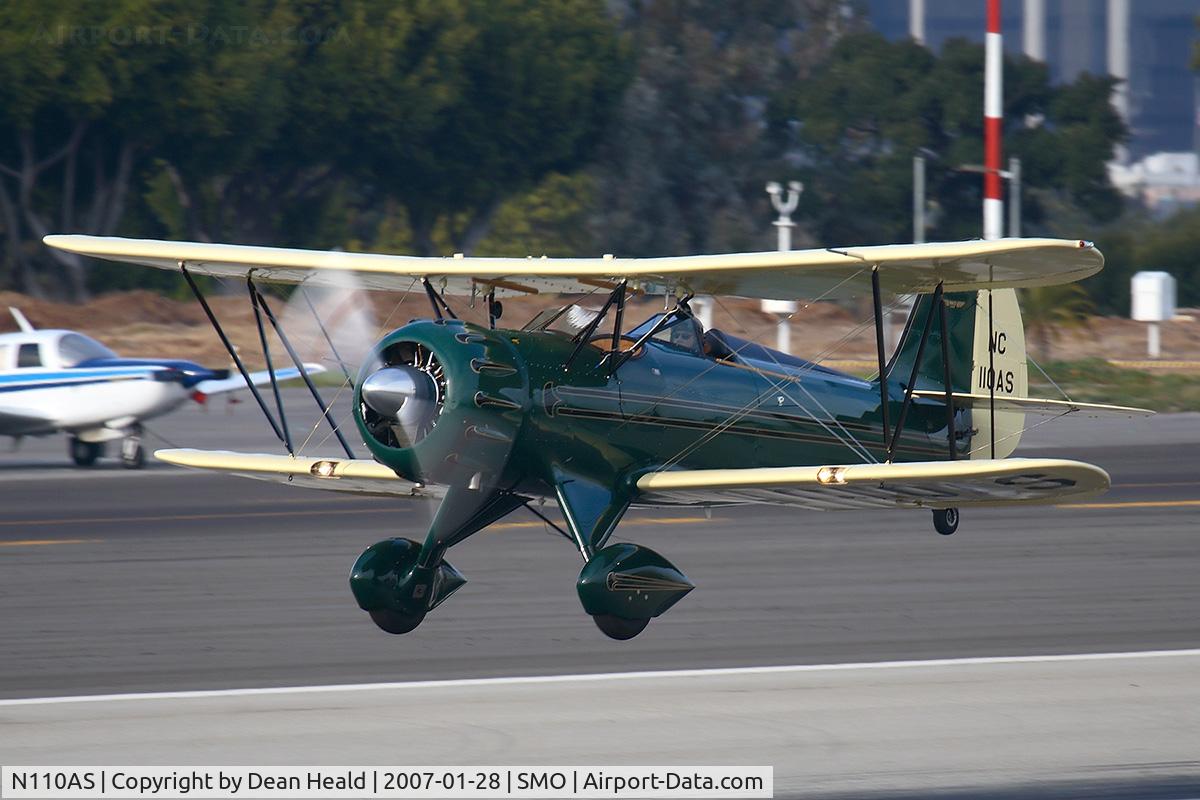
(26,379)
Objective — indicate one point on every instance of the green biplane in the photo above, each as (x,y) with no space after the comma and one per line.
(489,420)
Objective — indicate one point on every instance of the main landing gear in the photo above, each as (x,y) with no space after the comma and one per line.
(84,454)
(621,586)
(945,520)
(398,581)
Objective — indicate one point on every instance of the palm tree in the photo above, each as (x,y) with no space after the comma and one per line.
(1048,309)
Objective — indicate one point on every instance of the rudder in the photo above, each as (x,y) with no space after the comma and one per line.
(986,339)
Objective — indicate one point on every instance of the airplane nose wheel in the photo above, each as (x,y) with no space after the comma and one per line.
(945,520)
(618,627)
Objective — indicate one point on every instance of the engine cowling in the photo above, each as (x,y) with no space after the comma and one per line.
(443,402)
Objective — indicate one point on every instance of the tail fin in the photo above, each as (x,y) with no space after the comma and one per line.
(986,339)
(22,323)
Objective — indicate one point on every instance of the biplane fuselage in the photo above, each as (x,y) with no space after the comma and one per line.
(511,416)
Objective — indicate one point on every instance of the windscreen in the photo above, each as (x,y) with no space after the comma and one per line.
(74,348)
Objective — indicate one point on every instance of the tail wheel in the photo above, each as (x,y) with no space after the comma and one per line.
(618,627)
(85,454)
(945,520)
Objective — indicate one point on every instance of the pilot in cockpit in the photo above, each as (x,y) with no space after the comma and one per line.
(684,335)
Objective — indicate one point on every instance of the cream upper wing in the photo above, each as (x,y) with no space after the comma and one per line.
(923,484)
(830,272)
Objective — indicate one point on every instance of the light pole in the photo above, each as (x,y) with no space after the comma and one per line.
(1013,176)
(783,309)
(919,198)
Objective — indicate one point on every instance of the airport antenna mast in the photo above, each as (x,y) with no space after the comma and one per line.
(993,121)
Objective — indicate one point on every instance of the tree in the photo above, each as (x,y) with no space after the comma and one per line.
(1045,310)
(90,92)
(683,166)
(855,127)
(466,104)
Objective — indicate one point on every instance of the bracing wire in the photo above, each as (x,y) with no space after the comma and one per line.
(775,386)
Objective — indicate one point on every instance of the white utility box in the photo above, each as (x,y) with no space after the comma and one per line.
(779,306)
(1153,296)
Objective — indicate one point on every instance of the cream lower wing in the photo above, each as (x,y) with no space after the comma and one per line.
(922,484)
(357,475)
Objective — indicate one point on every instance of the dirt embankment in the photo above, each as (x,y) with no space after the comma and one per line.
(144,324)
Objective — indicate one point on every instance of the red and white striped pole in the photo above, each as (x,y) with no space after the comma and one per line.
(993,119)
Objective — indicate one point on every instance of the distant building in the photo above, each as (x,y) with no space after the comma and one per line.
(1163,182)
(1150,41)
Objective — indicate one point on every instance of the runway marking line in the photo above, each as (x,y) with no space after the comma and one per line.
(1154,485)
(1135,504)
(43,542)
(305,513)
(598,677)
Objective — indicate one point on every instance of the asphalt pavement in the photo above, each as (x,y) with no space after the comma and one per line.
(162,580)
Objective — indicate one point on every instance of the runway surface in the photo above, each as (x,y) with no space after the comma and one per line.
(115,582)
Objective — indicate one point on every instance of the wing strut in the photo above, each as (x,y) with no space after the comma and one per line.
(262,338)
(586,334)
(992,373)
(912,378)
(950,435)
(883,387)
(437,301)
(312,388)
(191,282)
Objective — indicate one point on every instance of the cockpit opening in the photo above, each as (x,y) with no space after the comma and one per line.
(680,330)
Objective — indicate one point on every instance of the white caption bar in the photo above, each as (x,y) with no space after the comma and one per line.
(197,783)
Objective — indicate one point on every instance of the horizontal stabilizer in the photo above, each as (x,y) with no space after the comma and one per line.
(1037,405)
(823,272)
(920,484)
(335,474)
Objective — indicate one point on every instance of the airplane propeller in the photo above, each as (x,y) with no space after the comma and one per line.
(405,398)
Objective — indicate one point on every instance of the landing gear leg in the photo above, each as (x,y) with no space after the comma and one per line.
(945,520)
(133,456)
(398,581)
(84,454)
(622,586)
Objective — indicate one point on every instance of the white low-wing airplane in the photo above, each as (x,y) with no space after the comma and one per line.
(55,381)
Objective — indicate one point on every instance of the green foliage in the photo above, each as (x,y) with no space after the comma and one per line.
(683,167)
(1095,380)
(451,107)
(551,219)
(1045,309)
(572,127)
(1137,242)
(301,122)
(874,105)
